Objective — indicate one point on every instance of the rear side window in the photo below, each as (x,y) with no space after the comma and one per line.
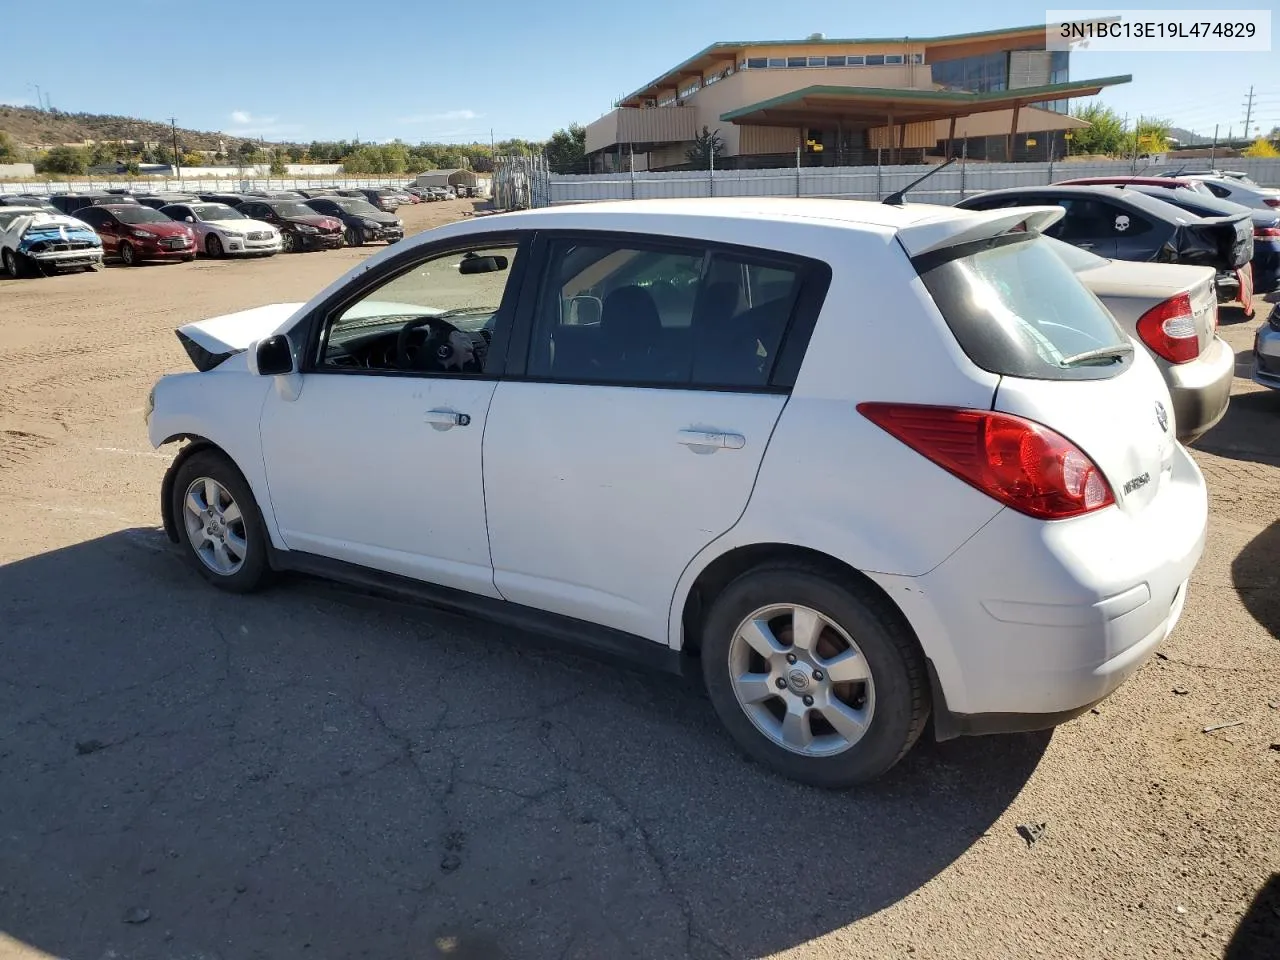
(675,313)
(1018,310)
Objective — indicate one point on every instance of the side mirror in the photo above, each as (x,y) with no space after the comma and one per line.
(584,311)
(189,219)
(274,356)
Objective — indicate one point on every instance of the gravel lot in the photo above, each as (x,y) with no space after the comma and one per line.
(303,773)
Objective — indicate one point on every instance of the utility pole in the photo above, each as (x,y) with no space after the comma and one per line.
(1213,150)
(1248,113)
(177,157)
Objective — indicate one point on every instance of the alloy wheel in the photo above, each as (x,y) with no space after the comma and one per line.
(801,680)
(126,254)
(215,526)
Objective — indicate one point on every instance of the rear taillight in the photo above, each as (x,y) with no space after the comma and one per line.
(1269,232)
(1271,201)
(1169,330)
(1022,464)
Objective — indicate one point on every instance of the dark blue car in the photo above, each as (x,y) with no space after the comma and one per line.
(1266,228)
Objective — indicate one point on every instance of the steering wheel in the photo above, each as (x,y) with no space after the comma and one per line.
(408,356)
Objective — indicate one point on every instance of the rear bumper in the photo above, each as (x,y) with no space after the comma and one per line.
(1201,390)
(1030,623)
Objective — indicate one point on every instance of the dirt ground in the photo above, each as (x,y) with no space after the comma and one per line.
(185,774)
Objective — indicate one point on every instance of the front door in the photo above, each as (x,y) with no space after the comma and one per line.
(634,436)
(377,459)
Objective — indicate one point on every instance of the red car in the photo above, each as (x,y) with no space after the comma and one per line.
(1167,182)
(135,233)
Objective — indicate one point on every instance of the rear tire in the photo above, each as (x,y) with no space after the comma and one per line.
(876,692)
(219,525)
(14,268)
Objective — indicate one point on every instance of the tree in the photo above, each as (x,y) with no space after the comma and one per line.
(1260,148)
(193,159)
(278,168)
(1150,136)
(9,152)
(706,145)
(567,150)
(1105,133)
(296,153)
(63,160)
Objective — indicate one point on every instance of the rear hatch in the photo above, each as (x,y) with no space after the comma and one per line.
(1224,243)
(1019,311)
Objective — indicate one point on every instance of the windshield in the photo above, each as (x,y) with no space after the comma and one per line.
(362,208)
(139,214)
(1017,310)
(216,211)
(8,216)
(292,208)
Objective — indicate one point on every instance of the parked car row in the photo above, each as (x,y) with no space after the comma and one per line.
(1162,253)
(179,226)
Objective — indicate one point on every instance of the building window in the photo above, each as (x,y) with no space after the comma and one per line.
(856,61)
(756,63)
(691,89)
(875,60)
(979,74)
(817,61)
(892,59)
(917,58)
(836,61)
(777,61)
(797,61)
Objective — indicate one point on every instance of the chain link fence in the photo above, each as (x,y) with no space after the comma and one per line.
(195,184)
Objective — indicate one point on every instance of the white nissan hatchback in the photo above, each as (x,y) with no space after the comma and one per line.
(861,464)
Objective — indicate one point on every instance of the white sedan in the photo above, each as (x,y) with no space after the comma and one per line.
(224,231)
(855,465)
(1244,192)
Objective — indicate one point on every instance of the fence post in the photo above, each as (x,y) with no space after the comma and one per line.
(711,170)
(964,164)
(879,195)
(632,160)
(797,169)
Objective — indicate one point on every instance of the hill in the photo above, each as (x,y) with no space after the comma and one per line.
(46,128)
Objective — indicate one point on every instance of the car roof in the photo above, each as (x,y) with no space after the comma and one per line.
(1148,181)
(919,227)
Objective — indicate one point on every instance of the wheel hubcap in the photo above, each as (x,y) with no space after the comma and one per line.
(215,526)
(801,680)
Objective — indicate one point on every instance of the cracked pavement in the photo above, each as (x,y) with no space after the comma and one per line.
(308,772)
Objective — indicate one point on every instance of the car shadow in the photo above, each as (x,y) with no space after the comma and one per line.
(1257,936)
(1255,573)
(190,772)
(1250,429)
(1231,314)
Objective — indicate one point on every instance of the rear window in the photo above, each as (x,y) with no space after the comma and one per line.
(1017,309)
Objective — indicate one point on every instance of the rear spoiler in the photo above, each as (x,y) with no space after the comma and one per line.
(927,236)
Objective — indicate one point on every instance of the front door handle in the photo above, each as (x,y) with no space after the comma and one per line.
(447,419)
(711,440)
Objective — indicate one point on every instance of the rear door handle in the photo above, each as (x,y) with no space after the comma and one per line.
(712,440)
(446,419)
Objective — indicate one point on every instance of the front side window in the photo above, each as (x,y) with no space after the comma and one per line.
(438,317)
(617,313)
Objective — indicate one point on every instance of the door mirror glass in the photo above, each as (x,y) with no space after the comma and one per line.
(275,356)
(189,219)
(584,311)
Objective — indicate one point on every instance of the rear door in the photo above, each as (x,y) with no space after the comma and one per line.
(628,434)
(104,225)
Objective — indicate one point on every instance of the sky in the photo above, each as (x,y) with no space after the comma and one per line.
(453,72)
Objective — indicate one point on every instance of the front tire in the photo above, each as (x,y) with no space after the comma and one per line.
(288,241)
(127,255)
(213,247)
(354,236)
(219,525)
(816,676)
